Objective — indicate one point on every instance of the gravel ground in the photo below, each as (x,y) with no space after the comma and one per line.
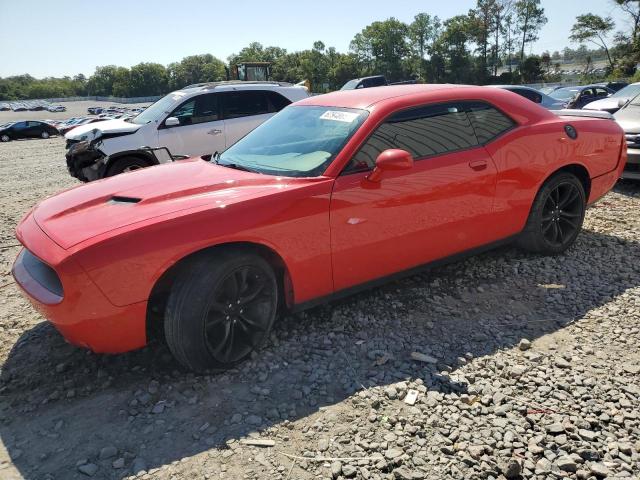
(523,366)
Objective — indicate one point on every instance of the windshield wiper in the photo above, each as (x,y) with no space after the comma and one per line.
(237,166)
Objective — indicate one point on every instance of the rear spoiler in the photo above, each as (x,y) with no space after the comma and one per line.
(583,113)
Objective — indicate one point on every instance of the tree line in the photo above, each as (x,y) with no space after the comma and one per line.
(488,44)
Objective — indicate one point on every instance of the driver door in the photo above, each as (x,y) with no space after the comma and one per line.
(439,207)
(201,129)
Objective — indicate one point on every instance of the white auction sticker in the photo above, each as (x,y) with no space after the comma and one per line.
(339,116)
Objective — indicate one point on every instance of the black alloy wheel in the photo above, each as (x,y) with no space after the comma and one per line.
(556,216)
(221,308)
(239,314)
(562,214)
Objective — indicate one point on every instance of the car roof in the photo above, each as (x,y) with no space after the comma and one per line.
(236,85)
(366,97)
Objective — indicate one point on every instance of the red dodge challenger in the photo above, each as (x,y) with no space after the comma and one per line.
(334,193)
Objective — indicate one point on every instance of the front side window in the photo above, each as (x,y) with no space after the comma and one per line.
(423,132)
(200,109)
(244,104)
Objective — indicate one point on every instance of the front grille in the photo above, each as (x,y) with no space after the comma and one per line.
(633,140)
(70,142)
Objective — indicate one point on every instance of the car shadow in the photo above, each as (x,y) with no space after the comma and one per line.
(60,405)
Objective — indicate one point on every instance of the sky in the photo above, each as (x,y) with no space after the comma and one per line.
(67,37)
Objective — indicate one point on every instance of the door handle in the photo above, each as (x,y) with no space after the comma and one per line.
(215,131)
(478,164)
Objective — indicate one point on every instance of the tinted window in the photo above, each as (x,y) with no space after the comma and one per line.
(201,109)
(374,82)
(487,121)
(20,126)
(276,101)
(423,132)
(530,94)
(243,104)
(601,92)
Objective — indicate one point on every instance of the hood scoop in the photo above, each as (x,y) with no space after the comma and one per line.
(118,199)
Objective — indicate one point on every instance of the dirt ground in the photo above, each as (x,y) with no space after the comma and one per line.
(328,390)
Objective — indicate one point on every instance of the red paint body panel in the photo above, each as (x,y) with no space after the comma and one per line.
(84,316)
(438,208)
(332,232)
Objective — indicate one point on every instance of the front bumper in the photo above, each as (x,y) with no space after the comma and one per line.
(632,168)
(85,161)
(82,314)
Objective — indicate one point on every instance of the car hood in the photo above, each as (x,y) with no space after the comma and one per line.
(609,103)
(90,131)
(89,210)
(629,118)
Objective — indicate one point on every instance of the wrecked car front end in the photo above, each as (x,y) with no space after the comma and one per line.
(85,160)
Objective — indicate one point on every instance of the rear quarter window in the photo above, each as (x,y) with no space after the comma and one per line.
(488,122)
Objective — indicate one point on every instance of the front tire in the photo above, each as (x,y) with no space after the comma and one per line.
(125,164)
(220,309)
(556,216)
(5,138)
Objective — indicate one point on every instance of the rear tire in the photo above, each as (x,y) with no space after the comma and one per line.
(44,135)
(556,216)
(126,164)
(220,309)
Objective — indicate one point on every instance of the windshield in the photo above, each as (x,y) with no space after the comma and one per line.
(300,141)
(351,84)
(157,110)
(628,91)
(564,93)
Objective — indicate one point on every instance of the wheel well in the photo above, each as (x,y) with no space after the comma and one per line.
(160,292)
(579,171)
(135,154)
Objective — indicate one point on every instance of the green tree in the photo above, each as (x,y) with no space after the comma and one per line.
(452,49)
(531,69)
(482,24)
(594,29)
(632,9)
(381,48)
(148,79)
(195,69)
(530,19)
(101,82)
(121,82)
(423,32)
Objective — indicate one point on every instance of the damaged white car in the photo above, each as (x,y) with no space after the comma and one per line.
(197,120)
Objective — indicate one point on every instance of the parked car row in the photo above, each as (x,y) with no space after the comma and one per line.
(31,105)
(115,111)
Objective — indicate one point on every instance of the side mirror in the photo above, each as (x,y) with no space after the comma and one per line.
(171,122)
(622,102)
(390,160)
